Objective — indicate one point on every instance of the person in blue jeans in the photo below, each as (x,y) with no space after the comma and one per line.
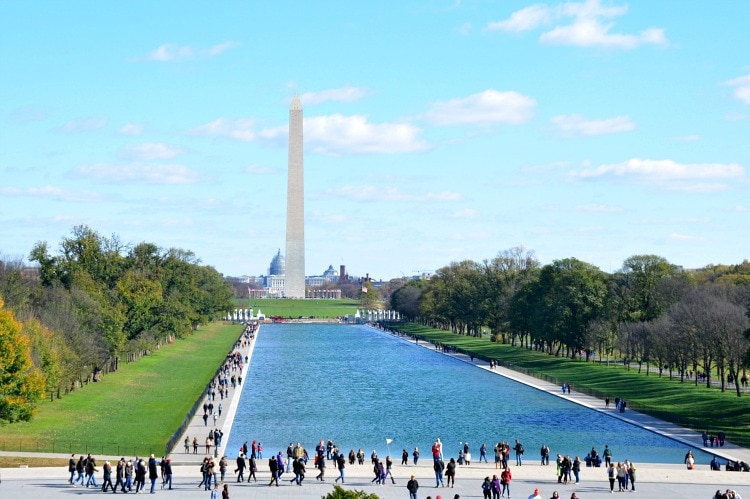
(153,472)
(90,470)
(519,453)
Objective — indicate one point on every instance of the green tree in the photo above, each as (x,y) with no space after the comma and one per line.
(405,300)
(21,385)
(567,297)
(368,298)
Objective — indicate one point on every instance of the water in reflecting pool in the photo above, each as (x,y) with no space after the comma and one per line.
(358,386)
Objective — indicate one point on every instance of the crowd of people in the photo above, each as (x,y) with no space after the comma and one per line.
(129,476)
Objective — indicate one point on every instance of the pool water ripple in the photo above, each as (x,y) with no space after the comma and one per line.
(358,386)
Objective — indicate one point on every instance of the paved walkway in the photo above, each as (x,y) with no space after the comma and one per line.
(654,480)
(197,428)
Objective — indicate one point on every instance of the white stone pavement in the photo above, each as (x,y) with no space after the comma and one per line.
(654,480)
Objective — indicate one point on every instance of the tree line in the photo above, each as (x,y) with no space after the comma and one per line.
(91,304)
(651,313)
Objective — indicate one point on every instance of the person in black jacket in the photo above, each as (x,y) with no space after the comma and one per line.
(120,475)
(167,474)
(273,465)
(240,468)
(412,486)
(153,472)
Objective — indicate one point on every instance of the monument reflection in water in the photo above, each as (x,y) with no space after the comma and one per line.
(358,386)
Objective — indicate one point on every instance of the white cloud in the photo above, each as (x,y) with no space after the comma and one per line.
(669,174)
(151,151)
(741,88)
(528,18)
(28,114)
(131,129)
(372,193)
(172,52)
(684,238)
(83,125)
(490,106)
(240,129)
(336,133)
(339,134)
(138,173)
(590,25)
(51,192)
(343,94)
(465,213)
(575,125)
(687,138)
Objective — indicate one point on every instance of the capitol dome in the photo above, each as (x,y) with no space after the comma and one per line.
(278,265)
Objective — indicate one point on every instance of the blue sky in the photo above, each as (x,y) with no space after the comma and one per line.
(435,131)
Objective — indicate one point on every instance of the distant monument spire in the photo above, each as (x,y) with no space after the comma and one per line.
(294,282)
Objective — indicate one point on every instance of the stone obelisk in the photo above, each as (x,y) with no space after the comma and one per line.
(294,284)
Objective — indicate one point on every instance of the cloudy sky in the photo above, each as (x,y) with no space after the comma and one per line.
(435,130)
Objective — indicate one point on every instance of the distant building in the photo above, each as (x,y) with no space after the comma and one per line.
(278,265)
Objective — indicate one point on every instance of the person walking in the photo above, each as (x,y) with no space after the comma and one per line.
(72,468)
(153,473)
(341,463)
(120,475)
(129,472)
(631,472)
(439,466)
(273,466)
(450,472)
(107,477)
(251,469)
(90,471)
(215,491)
(495,487)
(225,492)
(388,471)
(505,478)
(612,475)
(80,469)
(415,455)
(486,488)
(321,463)
(412,486)
(167,474)
(240,467)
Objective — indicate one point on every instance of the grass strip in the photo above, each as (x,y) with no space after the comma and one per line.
(685,404)
(133,411)
(294,309)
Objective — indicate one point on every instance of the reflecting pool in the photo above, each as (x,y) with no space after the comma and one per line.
(358,386)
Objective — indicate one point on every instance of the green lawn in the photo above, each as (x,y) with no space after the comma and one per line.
(133,411)
(685,404)
(304,308)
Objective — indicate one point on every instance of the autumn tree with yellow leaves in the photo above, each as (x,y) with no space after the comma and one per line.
(21,384)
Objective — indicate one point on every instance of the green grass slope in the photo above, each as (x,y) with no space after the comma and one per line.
(133,411)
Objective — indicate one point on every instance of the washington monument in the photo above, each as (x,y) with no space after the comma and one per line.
(294,283)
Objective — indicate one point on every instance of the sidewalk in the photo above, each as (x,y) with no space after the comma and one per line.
(198,429)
